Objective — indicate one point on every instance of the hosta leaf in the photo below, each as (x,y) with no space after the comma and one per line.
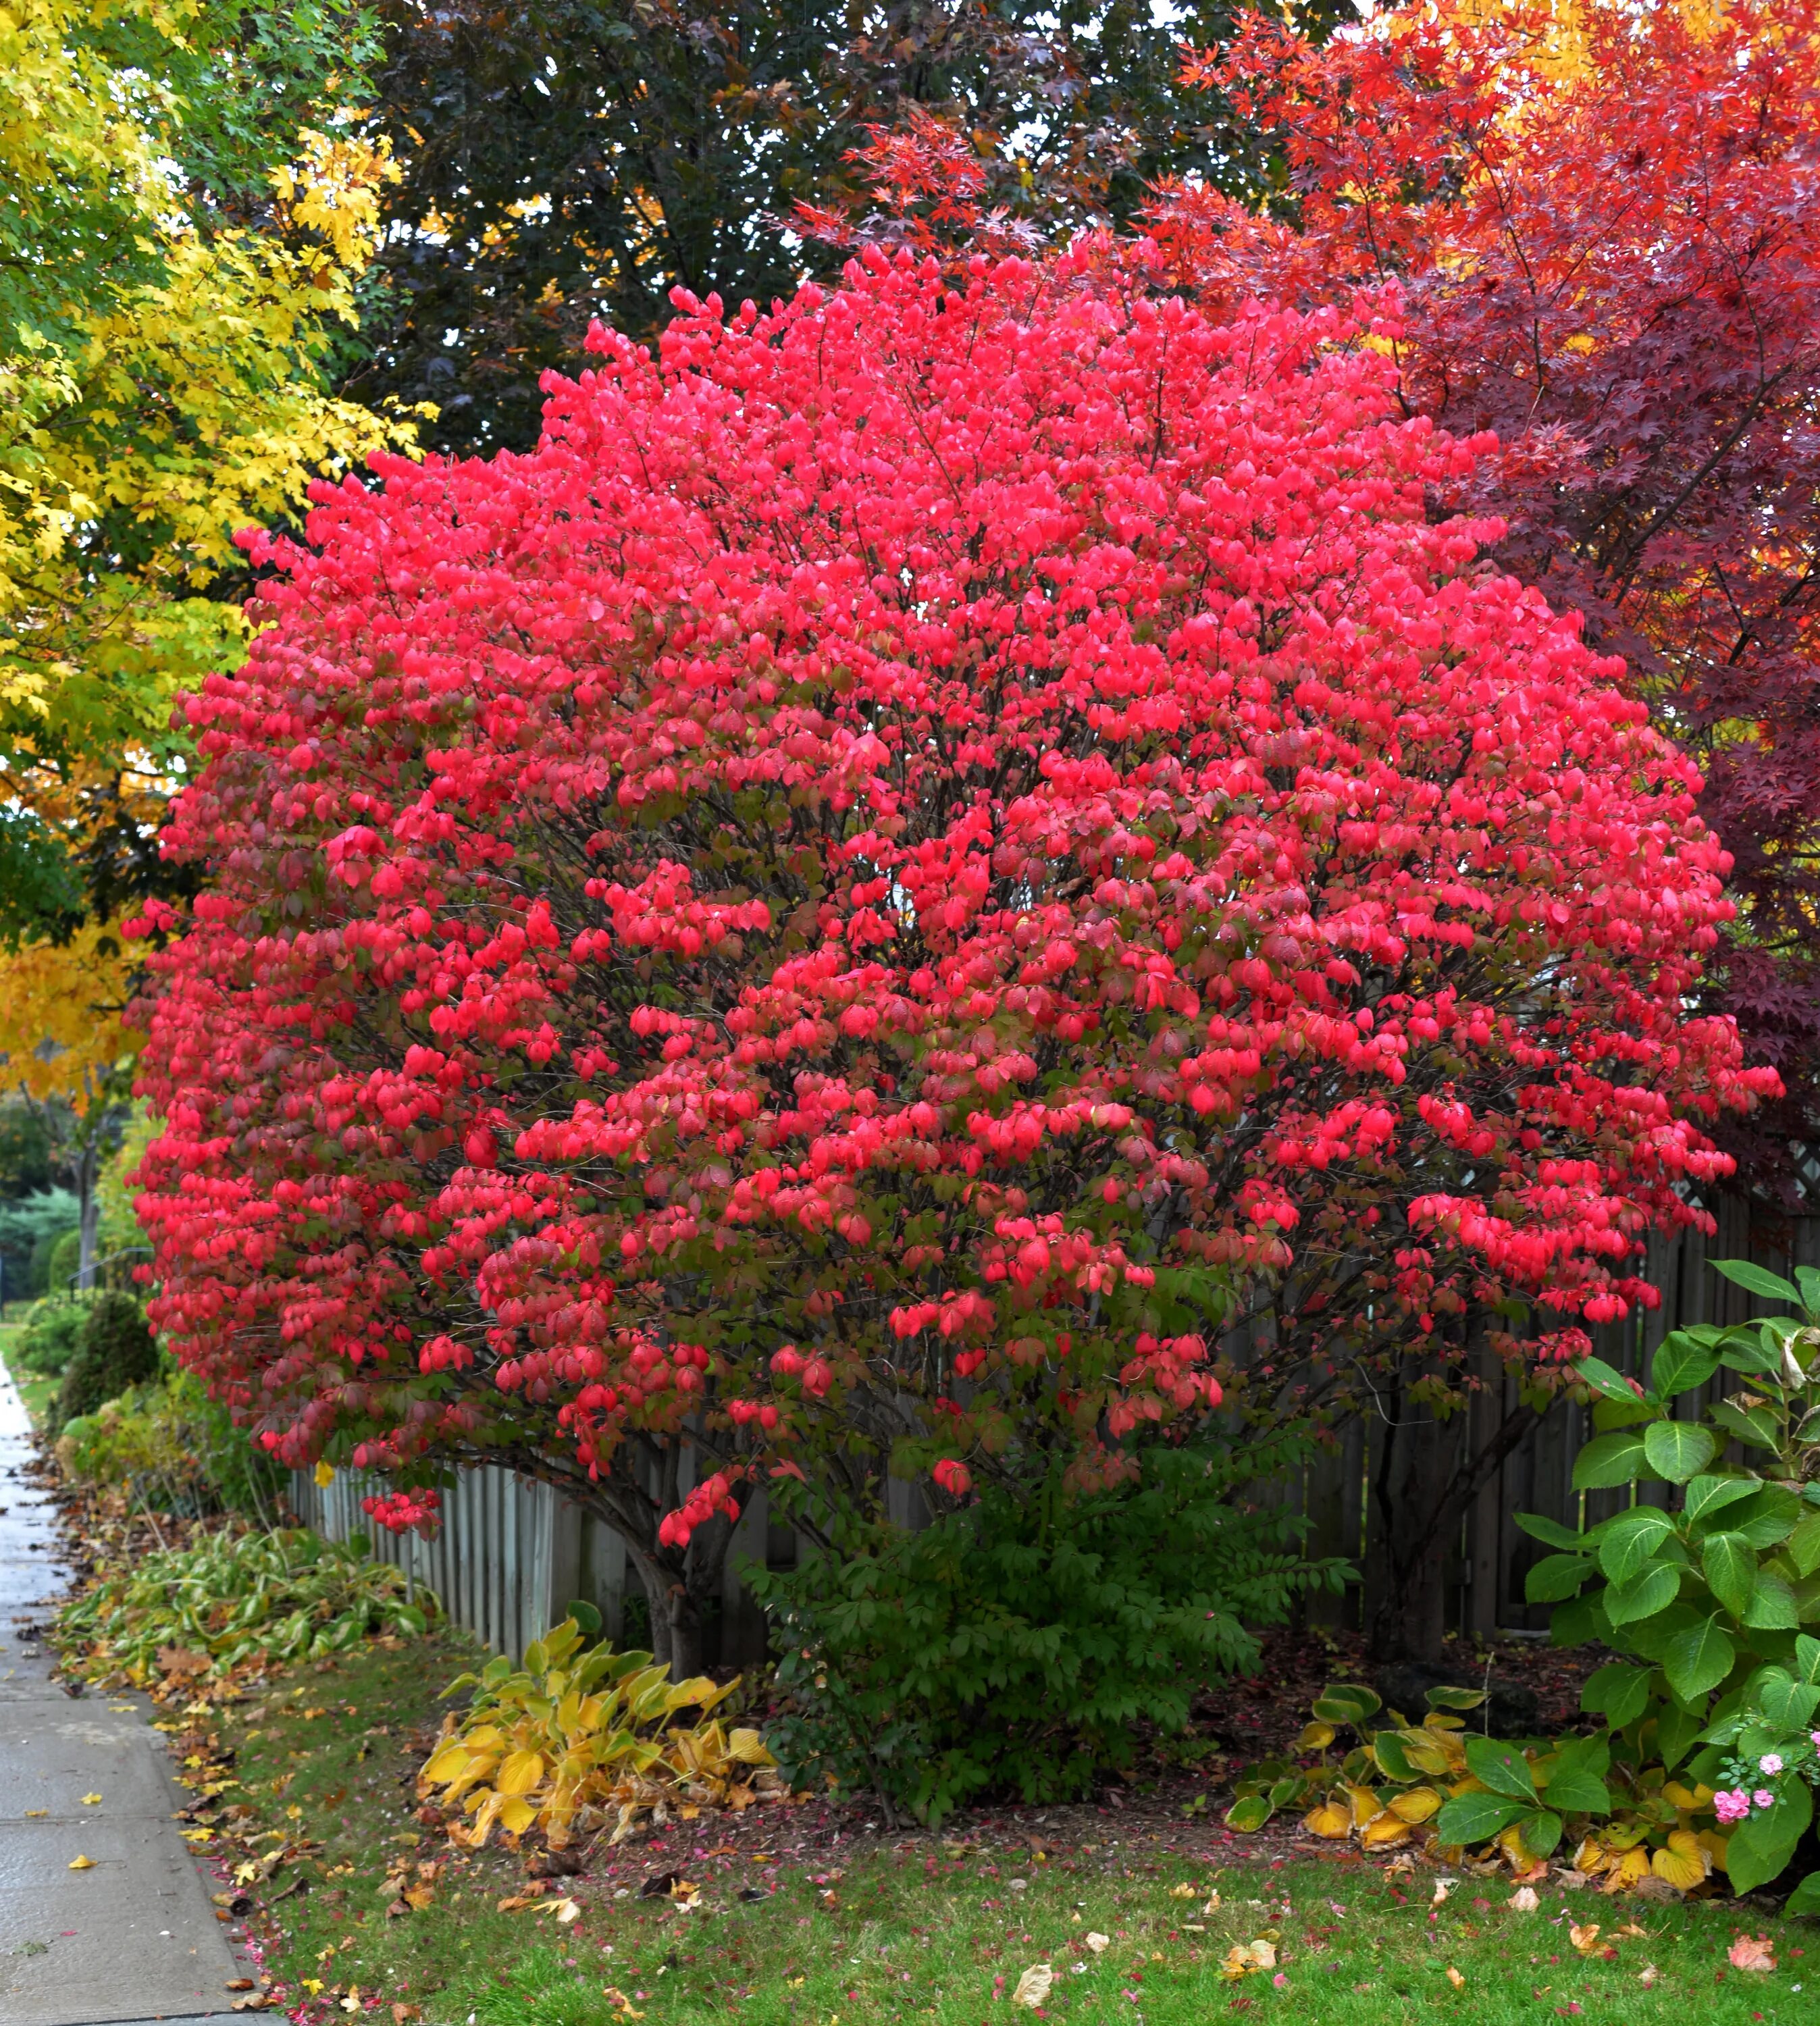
(1347,1703)
(1698,1659)
(1329,1820)
(517,1815)
(1729,1563)
(1314,1737)
(1678,1449)
(1250,1814)
(1501,1767)
(1653,1590)
(1392,1755)
(1475,1819)
(1618,1693)
(1682,1863)
(1631,1541)
(1455,1699)
(1416,1805)
(1609,1461)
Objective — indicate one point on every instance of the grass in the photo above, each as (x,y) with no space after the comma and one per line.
(917,1928)
(37,1393)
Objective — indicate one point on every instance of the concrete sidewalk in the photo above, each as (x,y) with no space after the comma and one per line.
(135,1937)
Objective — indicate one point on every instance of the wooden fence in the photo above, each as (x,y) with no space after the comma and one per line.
(511,1555)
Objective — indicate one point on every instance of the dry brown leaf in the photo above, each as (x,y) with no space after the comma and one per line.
(1523,1900)
(1098,1943)
(1585,1939)
(1033,1986)
(1751,1952)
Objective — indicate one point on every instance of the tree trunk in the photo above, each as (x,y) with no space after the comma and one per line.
(1429,1472)
(86,1169)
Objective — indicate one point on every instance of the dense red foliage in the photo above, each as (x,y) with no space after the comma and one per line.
(1608,251)
(820,919)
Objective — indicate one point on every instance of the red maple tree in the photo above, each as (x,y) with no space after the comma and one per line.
(1604,226)
(835,917)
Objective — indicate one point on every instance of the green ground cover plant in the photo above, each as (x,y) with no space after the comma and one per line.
(230,1598)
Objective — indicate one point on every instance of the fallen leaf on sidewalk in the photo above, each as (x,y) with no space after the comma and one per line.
(238,1984)
(82,1864)
(91,1800)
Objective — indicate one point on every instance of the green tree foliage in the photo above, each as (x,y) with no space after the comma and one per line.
(569,159)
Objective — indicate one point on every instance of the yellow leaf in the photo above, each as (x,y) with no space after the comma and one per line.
(1329,1820)
(1683,1864)
(1315,1736)
(91,1800)
(1384,1832)
(325,1475)
(1455,1979)
(1585,1940)
(516,1814)
(519,1772)
(82,1864)
(1626,1868)
(747,1747)
(1363,1803)
(1416,1805)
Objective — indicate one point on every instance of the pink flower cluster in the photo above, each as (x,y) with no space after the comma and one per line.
(1733,1804)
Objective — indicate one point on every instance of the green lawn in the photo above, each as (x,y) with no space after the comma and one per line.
(37,1393)
(912,1928)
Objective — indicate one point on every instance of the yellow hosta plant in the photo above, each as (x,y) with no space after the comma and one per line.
(579,1732)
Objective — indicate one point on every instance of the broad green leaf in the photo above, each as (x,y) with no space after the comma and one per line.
(1805,1898)
(1807,1279)
(1551,1533)
(1595,1372)
(1678,1449)
(1652,1589)
(1807,1658)
(1347,1703)
(1628,1543)
(1576,1622)
(1729,1563)
(1789,1705)
(1576,1790)
(1680,1365)
(1763,1844)
(1708,1496)
(1501,1767)
(1759,1280)
(1250,1814)
(1472,1818)
(1556,1577)
(1677,1733)
(1392,1759)
(1755,1427)
(1455,1699)
(1748,1354)
(1607,1461)
(1618,1693)
(1768,1518)
(1541,1830)
(1772,1609)
(1698,1659)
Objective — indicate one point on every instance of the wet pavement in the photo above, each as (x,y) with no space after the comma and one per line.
(129,1935)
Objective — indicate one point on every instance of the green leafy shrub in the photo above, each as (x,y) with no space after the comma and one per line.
(51,1331)
(63,1264)
(175,1448)
(114,1352)
(1011,1646)
(1708,1598)
(230,1597)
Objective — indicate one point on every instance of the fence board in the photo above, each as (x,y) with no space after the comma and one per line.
(510,1555)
